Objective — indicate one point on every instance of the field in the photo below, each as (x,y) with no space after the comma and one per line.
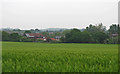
(46,57)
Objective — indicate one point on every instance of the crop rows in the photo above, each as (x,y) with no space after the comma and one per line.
(46,57)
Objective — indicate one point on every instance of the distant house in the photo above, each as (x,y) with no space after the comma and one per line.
(57,38)
(36,36)
(51,33)
(114,35)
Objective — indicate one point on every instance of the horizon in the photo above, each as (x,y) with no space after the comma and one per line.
(58,27)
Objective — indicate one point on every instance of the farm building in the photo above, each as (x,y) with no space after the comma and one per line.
(39,36)
(57,38)
(36,36)
(114,35)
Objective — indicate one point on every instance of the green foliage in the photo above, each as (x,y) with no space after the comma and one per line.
(62,39)
(97,28)
(112,40)
(100,37)
(27,31)
(76,36)
(47,57)
(5,36)
(39,40)
(15,37)
(113,29)
(65,32)
(118,33)
(45,34)
(86,37)
(25,39)
(73,36)
(92,34)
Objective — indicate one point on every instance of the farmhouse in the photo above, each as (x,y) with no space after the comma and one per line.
(114,35)
(36,36)
(57,38)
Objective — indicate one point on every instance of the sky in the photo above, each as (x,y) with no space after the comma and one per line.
(41,14)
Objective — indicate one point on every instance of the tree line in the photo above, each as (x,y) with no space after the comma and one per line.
(76,36)
(92,34)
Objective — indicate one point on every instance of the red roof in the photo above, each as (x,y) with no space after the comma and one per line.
(53,39)
(35,34)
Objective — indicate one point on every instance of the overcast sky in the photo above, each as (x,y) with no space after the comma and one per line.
(31,14)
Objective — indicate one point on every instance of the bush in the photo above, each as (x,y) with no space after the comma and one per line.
(27,39)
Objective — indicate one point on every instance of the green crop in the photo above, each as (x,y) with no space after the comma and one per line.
(59,57)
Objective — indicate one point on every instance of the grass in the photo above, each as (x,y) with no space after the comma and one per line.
(45,57)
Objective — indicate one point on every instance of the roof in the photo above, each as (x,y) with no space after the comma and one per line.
(53,39)
(34,34)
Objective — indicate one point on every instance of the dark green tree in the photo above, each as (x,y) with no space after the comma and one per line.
(15,37)
(96,28)
(5,36)
(113,29)
(27,31)
(74,36)
(86,37)
(100,37)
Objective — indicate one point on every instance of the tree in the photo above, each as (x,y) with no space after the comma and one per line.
(97,28)
(27,31)
(65,32)
(25,39)
(31,29)
(118,33)
(73,36)
(5,36)
(76,36)
(48,39)
(86,37)
(62,39)
(113,40)
(15,37)
(100,37)
(37,30)
(113,29)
